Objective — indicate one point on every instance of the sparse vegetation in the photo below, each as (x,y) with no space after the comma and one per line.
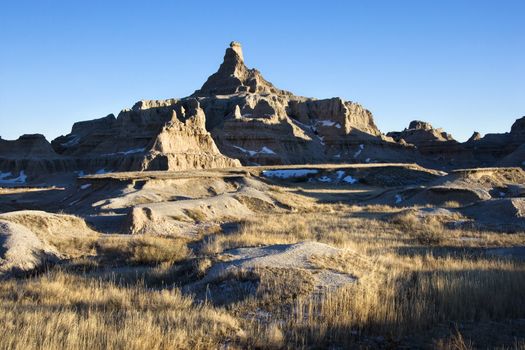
(143,249)
(413,274)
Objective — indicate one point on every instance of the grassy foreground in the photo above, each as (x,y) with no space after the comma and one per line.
(419,284)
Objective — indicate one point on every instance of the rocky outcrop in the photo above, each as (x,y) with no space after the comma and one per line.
(29,154)
(423,136)
(491,150)
(239,117)
(233,77)
(255,122)
(248,118)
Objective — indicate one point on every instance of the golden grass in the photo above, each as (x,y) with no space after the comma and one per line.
(62,311)
(143,249)
(413,275)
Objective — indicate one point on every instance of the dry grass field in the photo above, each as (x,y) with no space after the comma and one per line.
(411,279)
(418,282)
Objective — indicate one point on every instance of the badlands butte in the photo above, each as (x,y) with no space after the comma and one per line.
(244,216)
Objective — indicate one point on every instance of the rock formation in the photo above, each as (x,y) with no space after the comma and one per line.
(237,117)
(491,150)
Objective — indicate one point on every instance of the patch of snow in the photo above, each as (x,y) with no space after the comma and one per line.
(361,148)
(71,142)
(502,194)
(17,180)
(85,186)
(326,122)
(325,179)
(125,153)
(288,173)
(307,126)
(4,175)
(337,155)
(251,153)
(80,173)
(321,139)
(340,174)
(266,150)
(102,171)
(338,126)
(398,199)
(132,151)
(349,179)
(367,160)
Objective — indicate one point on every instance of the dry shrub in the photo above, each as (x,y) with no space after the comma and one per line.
(143,249)
(427,230)
(196,214)
(452,204)
(455,342)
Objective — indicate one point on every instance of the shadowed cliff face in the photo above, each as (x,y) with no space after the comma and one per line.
(239,117)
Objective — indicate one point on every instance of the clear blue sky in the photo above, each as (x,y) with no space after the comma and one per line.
(458,64)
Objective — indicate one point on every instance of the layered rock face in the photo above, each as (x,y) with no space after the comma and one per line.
(29,154)
(237,117)
(153,135)
(506,149)
(248,119)
(252,120)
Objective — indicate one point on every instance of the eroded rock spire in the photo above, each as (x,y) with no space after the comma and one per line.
(234,77)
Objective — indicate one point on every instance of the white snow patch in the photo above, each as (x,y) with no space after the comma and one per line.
(125,153)
(361,148)
(398,199)
(338,126)
(85,186)
(71,142)
(337,155)
(367,160)
(266,150)
(132,151)
(340,174)
(102,171)
(288,173)
(325,179)
(4,175)
(502,194)
(326,122)
(321,139)
(17,180)
(251,153)
(80,173)
(307,126)
(349,179)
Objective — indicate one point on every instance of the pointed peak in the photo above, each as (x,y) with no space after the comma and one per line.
(234,77)
(236,46)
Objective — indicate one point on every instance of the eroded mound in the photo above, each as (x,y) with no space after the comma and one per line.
(467,186)
(63,232)
(305,260)
(505,214)
(21,250)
